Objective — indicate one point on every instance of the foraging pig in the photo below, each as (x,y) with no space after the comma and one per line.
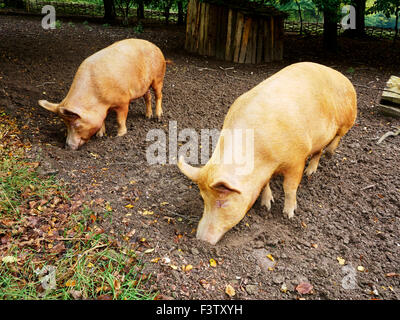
(110,79)
(294,114)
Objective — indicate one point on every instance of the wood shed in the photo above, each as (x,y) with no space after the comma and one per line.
(238,31)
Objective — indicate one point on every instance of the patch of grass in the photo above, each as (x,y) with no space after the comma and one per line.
(50,244)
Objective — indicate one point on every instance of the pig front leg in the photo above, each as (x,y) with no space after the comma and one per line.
(102,130)
(313,164)
(291,181)
(266,197)
(122,113)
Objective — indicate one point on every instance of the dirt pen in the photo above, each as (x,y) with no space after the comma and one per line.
(344,239)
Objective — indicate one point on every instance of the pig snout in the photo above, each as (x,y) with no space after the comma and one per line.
(207,231)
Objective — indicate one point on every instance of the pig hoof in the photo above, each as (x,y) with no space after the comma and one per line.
(267,203)
(149,116)
(309,171)
(289,213)
(121,133)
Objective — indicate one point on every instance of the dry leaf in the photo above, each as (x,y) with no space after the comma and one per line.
(270,257)
(341,261)
(361,268)
(70,283)
(149,250)
(129,206)
(9,259)
(304,288)
(230,291)
(213,263)
(187,268)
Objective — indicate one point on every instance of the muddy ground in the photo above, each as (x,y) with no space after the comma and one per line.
(348,209)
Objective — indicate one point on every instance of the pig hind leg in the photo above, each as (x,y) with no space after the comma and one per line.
(330,149)
(122,113)
(147,99)
(157,87)
(313,163)
(266,197)
(291,181)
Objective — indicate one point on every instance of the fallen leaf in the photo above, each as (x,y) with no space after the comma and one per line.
(392,274)
(147,212)
(104,297)
(229,290)
(270,257)
(187,268)
(129,206)
(9,259)
(361,268)
(155,260)
(76,294)
(341,261)
(117,284)
(70,283)
(213,263)
(149,250)
(304,288)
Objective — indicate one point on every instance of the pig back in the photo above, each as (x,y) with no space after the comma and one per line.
(300,109)
(123,71)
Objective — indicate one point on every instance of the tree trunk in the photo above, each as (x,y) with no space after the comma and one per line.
(330,30)
(109,10)
(180,13)
(140,9)
(396,27)
(19,4)
(300,16)
(167,8)
(360,17)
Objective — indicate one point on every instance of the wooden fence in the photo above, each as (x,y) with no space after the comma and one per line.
(71,8)
(317,28)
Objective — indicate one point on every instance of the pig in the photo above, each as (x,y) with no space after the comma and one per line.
(295,114)
(109,80)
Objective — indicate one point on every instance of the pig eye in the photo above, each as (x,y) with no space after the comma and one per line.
(223,187)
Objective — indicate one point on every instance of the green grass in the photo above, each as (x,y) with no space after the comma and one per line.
(90,264)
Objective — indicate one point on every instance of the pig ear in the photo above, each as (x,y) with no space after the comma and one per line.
(70,115)
(53,107)
(224,187)
(192,173)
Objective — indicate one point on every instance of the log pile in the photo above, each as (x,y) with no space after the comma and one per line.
(233,32)
(390,101)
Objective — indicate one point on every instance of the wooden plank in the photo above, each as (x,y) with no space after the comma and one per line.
(212,30)
(206,26)
(278,39)
(221,30)
(389,111)
(229,33)
(197,28)
(200,46)
(238,36)
(260,41)
(249,50)
(245,39)
(254,42)
(267,40)
(189,25)
(393,95)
